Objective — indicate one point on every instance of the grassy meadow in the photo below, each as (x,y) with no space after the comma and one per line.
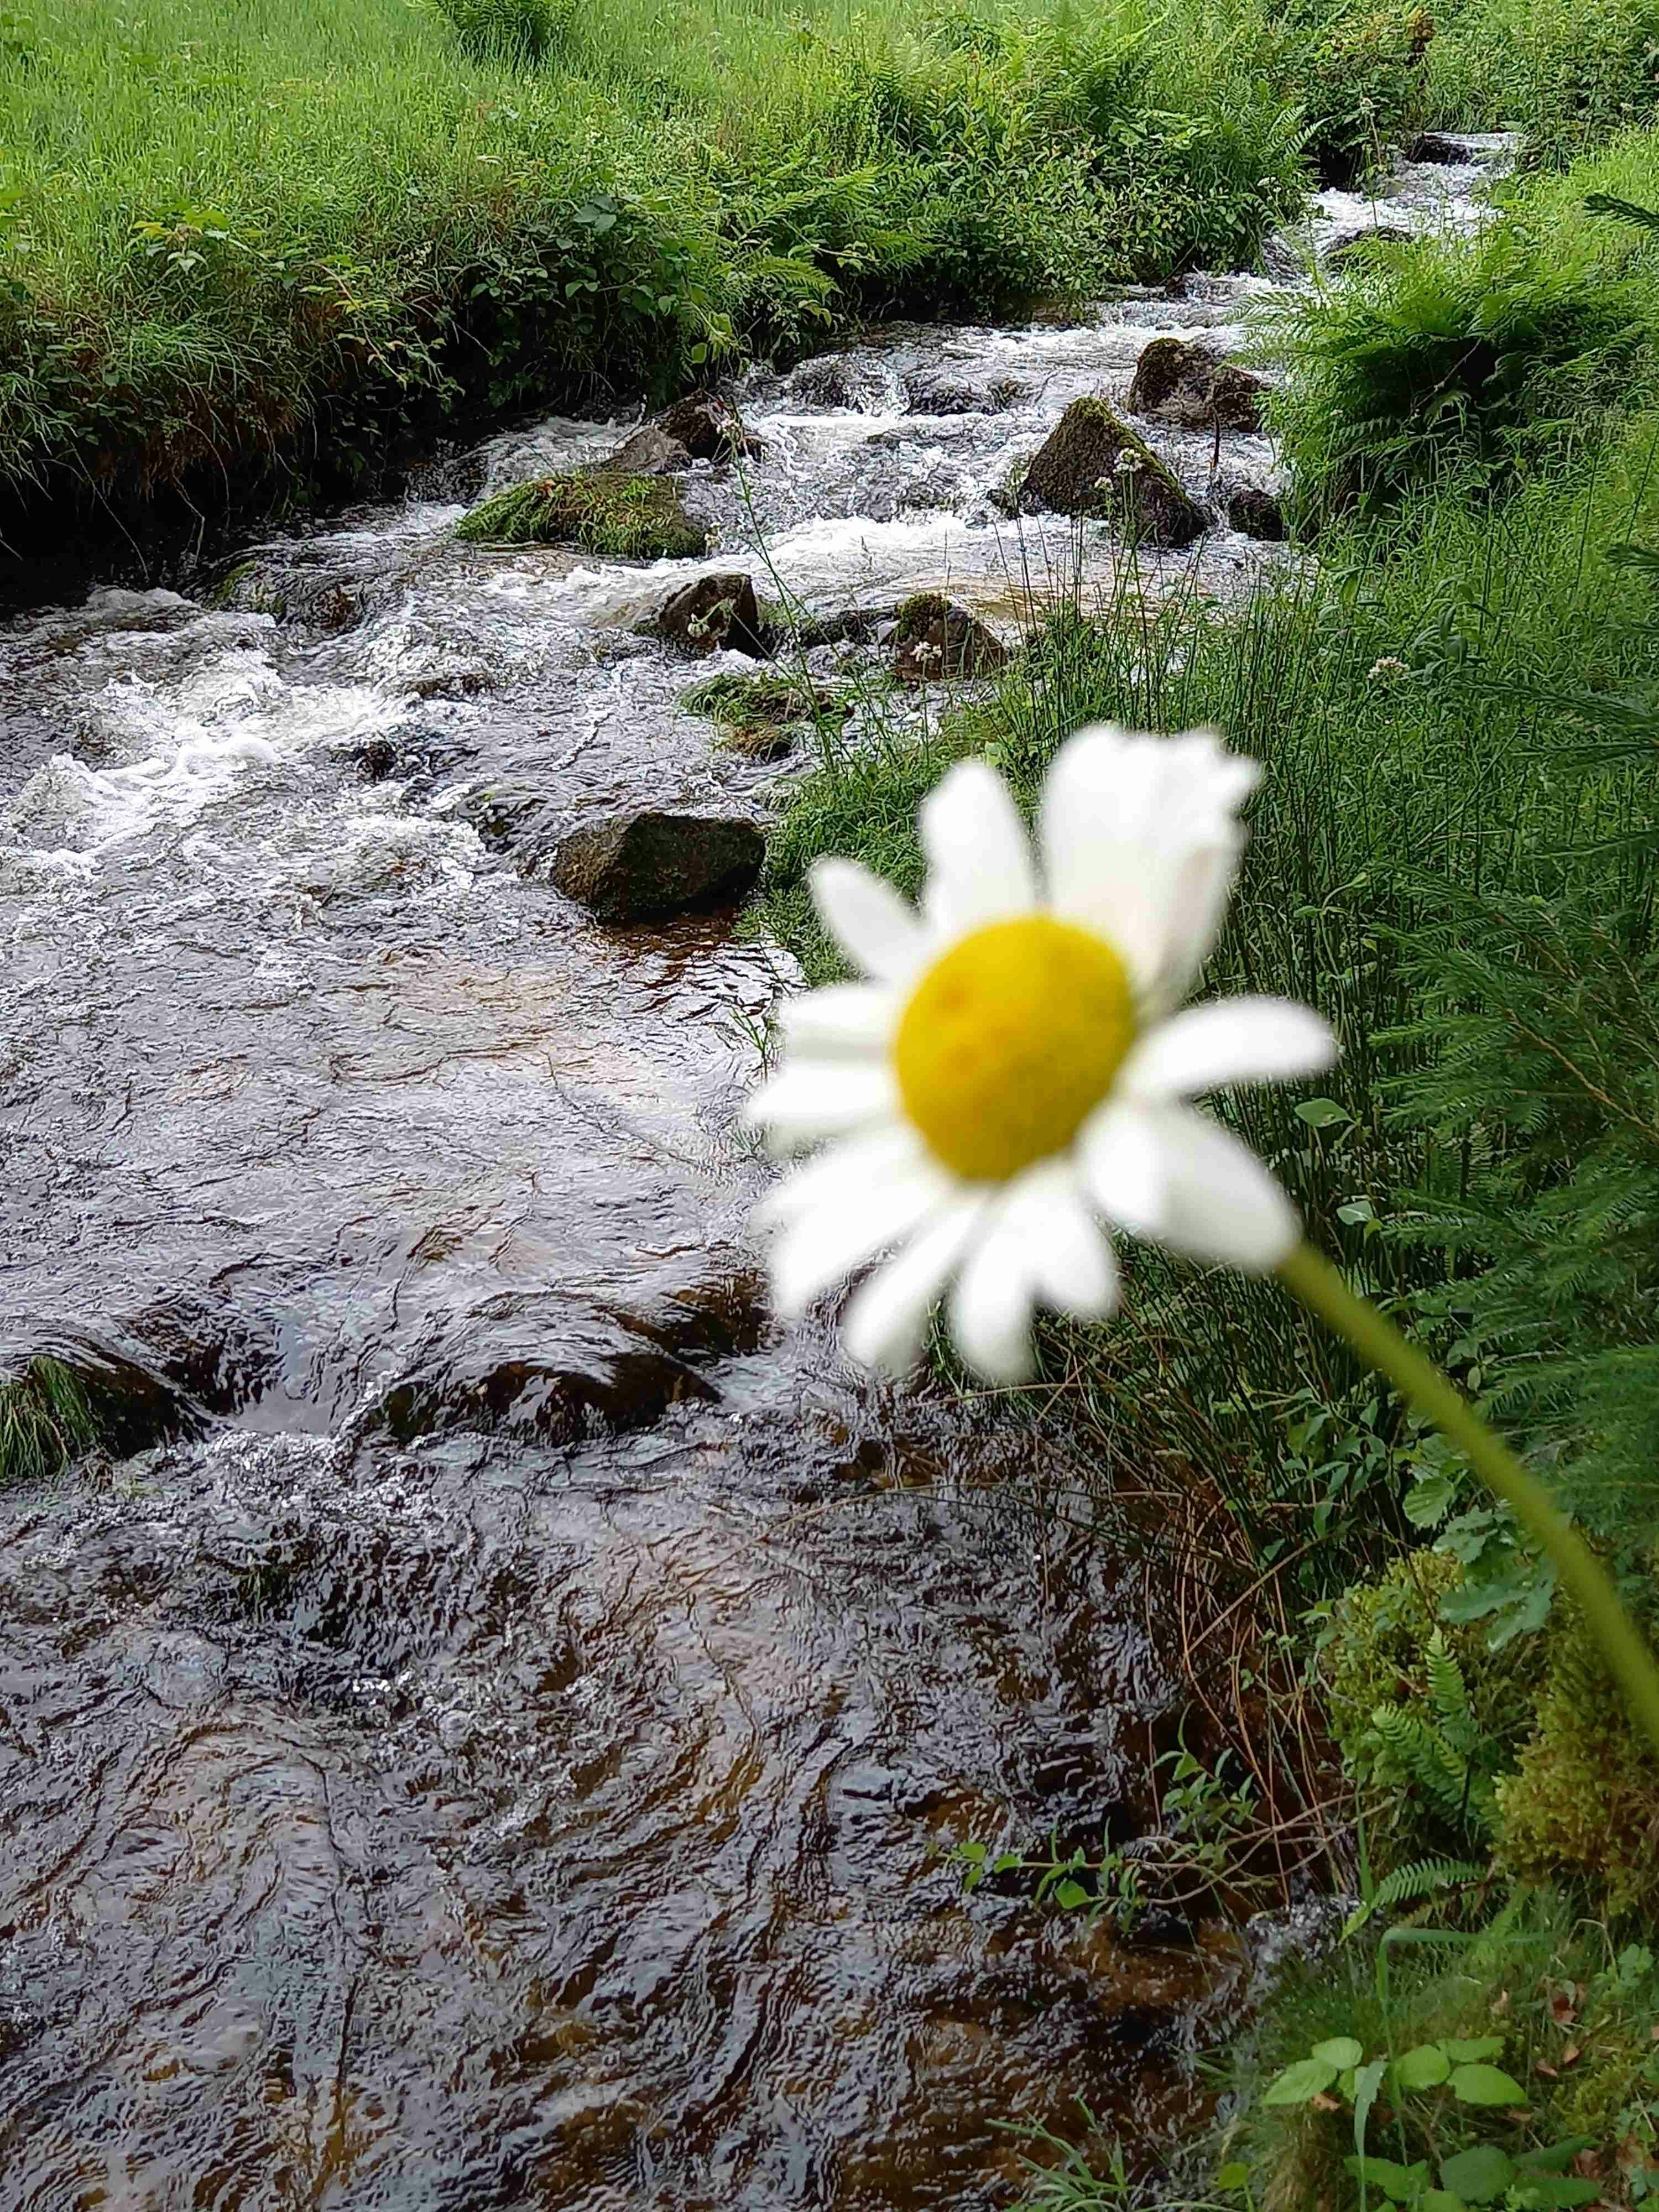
(247,253)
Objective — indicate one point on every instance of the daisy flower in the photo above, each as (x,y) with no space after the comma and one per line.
(1014,1074)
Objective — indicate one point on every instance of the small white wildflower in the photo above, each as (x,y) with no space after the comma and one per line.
(1387,668)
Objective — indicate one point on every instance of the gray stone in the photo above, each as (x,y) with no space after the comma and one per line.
(708,426)
(1093,464)
(1449,153)
(649,452)
(1195,388)
(934,640)
(1258,513)
(635,867)
(1354,245)
(712,613)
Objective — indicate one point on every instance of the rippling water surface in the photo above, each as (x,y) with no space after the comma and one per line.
(492,1754)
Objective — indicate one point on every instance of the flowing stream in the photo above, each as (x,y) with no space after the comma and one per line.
(491,1754)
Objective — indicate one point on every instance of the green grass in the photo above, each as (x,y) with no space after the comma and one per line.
(46,1420)
(247,254)
(1405,708)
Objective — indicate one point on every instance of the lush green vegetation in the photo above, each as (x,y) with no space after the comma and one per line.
(1452,855)
(247,252)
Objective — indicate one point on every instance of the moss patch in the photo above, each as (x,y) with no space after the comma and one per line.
(629,517)
(764,702)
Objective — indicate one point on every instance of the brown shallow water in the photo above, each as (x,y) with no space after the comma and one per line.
(483,1739)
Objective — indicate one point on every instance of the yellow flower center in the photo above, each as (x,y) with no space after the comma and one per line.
(1010,1041)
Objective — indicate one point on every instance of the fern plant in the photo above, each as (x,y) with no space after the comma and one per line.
(1444,1756)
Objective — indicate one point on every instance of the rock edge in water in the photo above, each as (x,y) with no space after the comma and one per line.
(643,866)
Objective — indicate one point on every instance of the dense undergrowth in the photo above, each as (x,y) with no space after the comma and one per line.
(247,254)
(1452,856)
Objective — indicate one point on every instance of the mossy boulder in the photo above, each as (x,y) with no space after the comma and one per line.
(639,518)
(760,705)
(1195,388)
(638,867)
(1375,1653)
(1093,464)
(935,641)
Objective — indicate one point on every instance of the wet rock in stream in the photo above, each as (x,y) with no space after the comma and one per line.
(637,866)
(1259,514)
(1093,464)
(1196,388)
(711,615)
(935,642)
(710,428)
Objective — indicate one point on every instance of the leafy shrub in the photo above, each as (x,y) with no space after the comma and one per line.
(1440,353)
(517,32)
(1578,80)
(1363,81)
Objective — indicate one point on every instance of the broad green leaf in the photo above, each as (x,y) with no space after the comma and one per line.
(1322,1113)
(1400,2184)
(1423,2068)
(1235,2175)
(1341,2051)
(1554,2193)
(1487,2085)
(1070,1894)
(1479,2176)
(1439,2200)
(1300,2083)
(1428,1501)
(1468,2054)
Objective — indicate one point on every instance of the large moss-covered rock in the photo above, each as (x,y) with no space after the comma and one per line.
(1583,1800)
(1093,464)
(637,867)
(601,511)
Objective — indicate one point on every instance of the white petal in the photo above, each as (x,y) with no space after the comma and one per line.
(1121,1163)
(1229,1041)
(1219,1202)
(846,1020)
(979,858)
(815,1098)
(871,1156)
(991,1310)
(826,1244)
(1066,1256)
(1141,840)
(874,927)
(886,1317)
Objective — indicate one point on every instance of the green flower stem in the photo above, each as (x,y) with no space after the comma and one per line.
(1321,1287)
